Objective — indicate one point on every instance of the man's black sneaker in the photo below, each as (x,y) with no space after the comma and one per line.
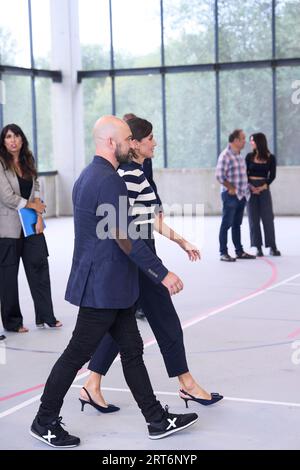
(53,434)
(170,424)
(226,257)
(244,255)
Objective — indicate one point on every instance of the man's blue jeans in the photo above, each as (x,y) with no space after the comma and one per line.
(233,212)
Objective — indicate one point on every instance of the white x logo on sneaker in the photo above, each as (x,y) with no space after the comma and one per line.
(49,436)
(172,423)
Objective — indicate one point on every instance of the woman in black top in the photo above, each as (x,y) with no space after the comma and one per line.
(261,170)
(20,189)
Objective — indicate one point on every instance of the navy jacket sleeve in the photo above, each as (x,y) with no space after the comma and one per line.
(113,191)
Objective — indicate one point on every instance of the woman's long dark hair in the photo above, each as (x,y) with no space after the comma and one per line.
(26,159)
(261,152)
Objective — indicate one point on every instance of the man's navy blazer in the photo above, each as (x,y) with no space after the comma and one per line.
(102,275)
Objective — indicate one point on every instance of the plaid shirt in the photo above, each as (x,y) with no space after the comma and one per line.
(231,167)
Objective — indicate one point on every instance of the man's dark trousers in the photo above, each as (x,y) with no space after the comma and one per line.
(92,324)
(233,212)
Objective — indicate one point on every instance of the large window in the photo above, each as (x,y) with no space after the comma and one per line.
(288,116)
(25,73)
(41,33)
(288,28)
(97,101)
(245,30)
(189,31)
(17,108)
(14,33)
(197,69)
(191,123)
(132,22)
(143,95)
(95,34)
(246,102)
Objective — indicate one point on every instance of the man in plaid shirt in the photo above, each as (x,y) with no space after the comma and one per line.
(231,173)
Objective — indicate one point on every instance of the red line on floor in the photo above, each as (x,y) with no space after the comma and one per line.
(18,394)
(294,334)
(28,390)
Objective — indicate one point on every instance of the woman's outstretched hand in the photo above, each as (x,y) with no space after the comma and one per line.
(191,250)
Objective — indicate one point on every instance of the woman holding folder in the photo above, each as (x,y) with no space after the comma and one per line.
(19,189)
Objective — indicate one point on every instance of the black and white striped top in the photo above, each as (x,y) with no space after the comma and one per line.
(141,196)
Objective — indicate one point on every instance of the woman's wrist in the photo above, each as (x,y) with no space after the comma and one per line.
(30,205)
(179,240)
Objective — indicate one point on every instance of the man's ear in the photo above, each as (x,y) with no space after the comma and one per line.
(112,143)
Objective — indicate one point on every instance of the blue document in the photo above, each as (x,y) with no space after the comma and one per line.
(28,218)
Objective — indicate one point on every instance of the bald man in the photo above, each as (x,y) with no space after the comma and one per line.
(104,284)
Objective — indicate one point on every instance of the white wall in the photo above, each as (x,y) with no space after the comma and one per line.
(192,186)
(199,186)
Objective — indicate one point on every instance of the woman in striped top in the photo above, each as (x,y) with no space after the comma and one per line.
(142,199)
(154,299)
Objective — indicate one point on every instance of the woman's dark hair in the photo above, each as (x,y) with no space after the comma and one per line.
(140,128)
(128,116)
(261,152)
(26,159)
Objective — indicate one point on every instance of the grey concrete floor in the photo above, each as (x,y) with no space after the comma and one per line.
(242,336)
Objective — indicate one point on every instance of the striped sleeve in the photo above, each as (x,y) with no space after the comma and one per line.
(141,196)
(134,182)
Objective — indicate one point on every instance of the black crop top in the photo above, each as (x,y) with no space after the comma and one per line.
(265,170)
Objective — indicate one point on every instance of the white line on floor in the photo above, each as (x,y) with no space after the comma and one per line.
(10,411)
(237,302)
(186,325)
(242,400)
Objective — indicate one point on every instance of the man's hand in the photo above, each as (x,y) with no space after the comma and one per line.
(173,283)
(232,191)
